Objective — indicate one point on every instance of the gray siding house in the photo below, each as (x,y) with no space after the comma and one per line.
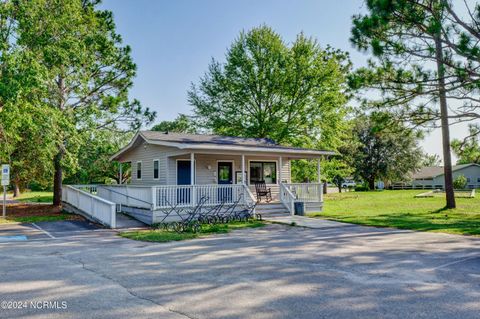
(176,170)
(433,177)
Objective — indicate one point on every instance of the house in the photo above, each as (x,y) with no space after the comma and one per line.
(433,177)
(173,171)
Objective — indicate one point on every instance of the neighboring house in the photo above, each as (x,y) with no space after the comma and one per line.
(175,170)
(433,177)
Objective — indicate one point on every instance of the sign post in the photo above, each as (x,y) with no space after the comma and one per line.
(5,183)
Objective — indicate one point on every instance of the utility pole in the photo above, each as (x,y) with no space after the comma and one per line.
(5,182)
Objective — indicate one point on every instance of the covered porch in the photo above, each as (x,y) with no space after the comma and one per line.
(226,177)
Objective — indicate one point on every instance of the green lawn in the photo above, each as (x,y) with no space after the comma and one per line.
(399,209)
(35,197)
(35,219)
(166,236)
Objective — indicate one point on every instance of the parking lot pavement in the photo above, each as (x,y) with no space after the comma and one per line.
(45,230)
(276,271)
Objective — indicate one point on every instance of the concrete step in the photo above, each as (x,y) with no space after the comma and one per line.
(271,209)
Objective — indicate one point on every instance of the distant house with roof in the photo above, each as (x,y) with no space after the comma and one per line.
(433,177)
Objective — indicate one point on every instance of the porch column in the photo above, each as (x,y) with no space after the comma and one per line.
(318,171)
(192,178)
(192,168)
(280,163)
(120,173)
(244,175)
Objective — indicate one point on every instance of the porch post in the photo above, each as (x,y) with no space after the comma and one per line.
(192,178)
(244,175)
(280,163)
(320,195)
(318,171)
(120,174)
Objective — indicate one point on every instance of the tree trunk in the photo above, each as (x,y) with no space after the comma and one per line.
(447,158)
(16,189)
(371,184)
(339,188)
(57,179)
(57,160)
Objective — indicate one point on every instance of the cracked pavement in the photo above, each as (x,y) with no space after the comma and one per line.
(272,272)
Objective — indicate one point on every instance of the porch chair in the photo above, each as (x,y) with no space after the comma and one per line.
(262,191)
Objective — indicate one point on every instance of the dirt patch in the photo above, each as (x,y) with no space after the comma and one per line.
(29,210)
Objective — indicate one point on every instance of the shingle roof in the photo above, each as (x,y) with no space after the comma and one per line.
(217,143)
(433,171)
(204,138)
(207,139)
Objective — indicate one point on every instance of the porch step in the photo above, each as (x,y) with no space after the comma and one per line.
(272,209)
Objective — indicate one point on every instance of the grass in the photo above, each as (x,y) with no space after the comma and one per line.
(35,219)
(35,197)
(162,236)
(399,209)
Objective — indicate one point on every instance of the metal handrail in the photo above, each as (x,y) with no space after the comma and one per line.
(128,196)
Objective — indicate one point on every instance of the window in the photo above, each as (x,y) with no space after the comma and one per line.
(139,170)
(478,179)
(155,169)
(263,171)
(468,179)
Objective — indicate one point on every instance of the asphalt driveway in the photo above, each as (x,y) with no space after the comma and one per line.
(273,272)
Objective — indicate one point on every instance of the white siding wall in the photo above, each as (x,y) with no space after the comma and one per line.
(472,172)
(168,157)
(147,155)
(209,176)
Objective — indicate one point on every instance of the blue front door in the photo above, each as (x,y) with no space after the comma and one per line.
(225,177)
(184,177)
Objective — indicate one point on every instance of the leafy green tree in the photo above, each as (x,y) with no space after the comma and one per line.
(28,138)
(426,53)
(386,149)
(293,94)
(460,182)
(94,165)
(181,124)
(87,72)
(431,160)
(468,150)
(336,171)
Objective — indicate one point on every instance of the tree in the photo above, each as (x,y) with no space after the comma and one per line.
(292,94)
(28,128)
(27,134)
(337,170)
(460,182)
(427,53)
(86,71)
(431,160)
(468,150)
(181,124)
(94,165)
(386,149)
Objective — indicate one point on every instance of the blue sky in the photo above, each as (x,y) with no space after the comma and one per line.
(173,41)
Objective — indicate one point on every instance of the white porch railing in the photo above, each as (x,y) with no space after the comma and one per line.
(100,209)
(287,198)
(190,195)
(300,192)
(307,192)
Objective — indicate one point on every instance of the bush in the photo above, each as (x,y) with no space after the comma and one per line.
(460,182)
(361,188)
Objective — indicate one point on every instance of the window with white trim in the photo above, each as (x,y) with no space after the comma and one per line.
(263,171)
(139,170)
(156,165)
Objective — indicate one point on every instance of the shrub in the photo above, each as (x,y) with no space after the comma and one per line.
(460,182)
(361,188)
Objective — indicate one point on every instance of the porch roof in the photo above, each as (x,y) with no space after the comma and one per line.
(218,144)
